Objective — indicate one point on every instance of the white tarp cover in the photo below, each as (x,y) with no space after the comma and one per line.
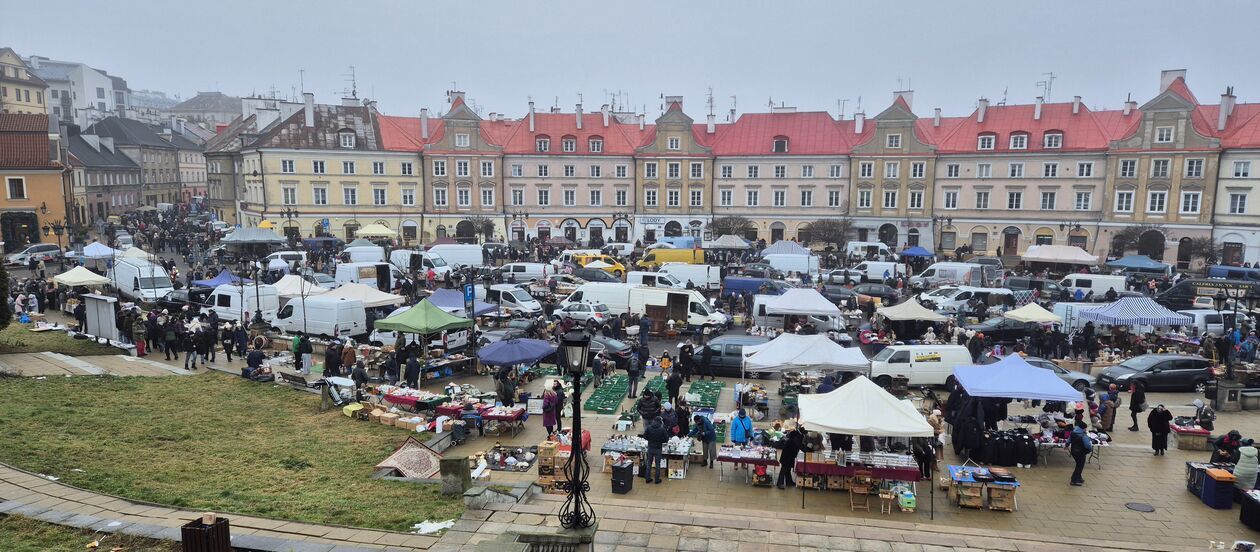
(910,310)
(79,276)
(801,301)
(295,286)
(598,264)
(134,253)
(1033,312)
(785,247)
(728,241)
(370,296)
(1068,254)
(804,352)
(862,408)
(98,250)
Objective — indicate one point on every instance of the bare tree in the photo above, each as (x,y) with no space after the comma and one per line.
(733,224)
(1207,249)
(832,231)
(1130,237)
(482,226)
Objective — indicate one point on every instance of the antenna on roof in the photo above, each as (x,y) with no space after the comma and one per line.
(302,79)
(354,82)
(770,102)
(709,100)
(859,104)
(840,104)
(1046,85)
(1003,101)
(900,83)
(731,117)
(579,98)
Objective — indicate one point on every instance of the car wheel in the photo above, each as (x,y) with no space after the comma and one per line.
(883,381)
(1200,386)
(1080,385)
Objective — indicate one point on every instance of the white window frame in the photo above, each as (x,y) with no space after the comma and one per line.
(463,197)
(1083,201)
(407,168)
(622,171)
(542,145)
(949,201)
(440,197)
(1019,141)
(568,145)
(696,198)
(752,198)
(289,195)
(1124,201)
(1085,169)
(982,199)
(487,169)
(463,168)
(892,169)
(380,195)
(596,197)
(726,197)
(1050,170)
(621,198)
(984,170)
(864,199)
(568,197)
(287,166)
(1052,140)
(835,171)
(544,197)
(1014,200)
(595,145)
(1238,203)
(319,195)
(1052,197)
(487,197)
(408,197)
(1015,170)
(727,171)
(953,170)
(985,141)
(890,199)
(673,170)
(807,171)
(595,171)
(378,167)
(1128,168)
(673,143)
(1198,203)
(807,198)
(1165,135)
(461,140)
(780,171)
(650,170)
(1157,202)
(346,140)
(650,197)
(439,167)
(1242,169)
(918,169)
(544,171)
(349,195)
(697,170)
(754,171)
(518,170)
(916,200)
(1194,167)
(778,198)
(349,167)
(893,141)
(518,197)
(1161,168)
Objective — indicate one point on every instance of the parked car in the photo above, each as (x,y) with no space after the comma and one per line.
(175,301)
(1000,329)
(1079,380)
(1160,371)
(595,275)
(837,294)
(591,314)
(728,353)
(842,276)
(762,270)
(39,251)
(885,293)
(616,349)
(320,279)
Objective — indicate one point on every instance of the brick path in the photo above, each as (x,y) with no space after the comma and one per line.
(55,364)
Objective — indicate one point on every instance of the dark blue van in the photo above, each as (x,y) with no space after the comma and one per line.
(737,285)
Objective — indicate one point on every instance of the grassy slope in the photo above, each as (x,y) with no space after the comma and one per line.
(21,534)
(211,442)
(16,339)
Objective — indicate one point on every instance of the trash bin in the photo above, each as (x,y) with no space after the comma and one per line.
(199,536)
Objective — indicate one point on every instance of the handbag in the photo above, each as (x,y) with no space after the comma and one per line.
(1142,407)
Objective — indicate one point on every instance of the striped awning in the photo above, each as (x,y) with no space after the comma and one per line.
(1136,311)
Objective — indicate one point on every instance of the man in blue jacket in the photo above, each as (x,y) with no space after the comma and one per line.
(702,428)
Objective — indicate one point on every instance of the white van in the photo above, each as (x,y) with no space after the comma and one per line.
(141,280)
(865,249)
(874,271)
(922,364)
(364,254)
(677,305)
(1207,320)
(1071,315)
(702,276)
(958,296)
(511,296)
(622,250)
(949,273)
(123,242)
(1096,283)
(402,259)
(366,273)
(525,272)
(614,294)
(653,279)
(233,302)
(40,251)
(788,262)
(777,321)
(323,316)
(460,254)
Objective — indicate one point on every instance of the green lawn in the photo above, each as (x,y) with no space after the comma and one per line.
(23,534)
(212,442)
(16,339)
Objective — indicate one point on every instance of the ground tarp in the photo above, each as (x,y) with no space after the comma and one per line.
(804,352)
(909,310)
(862,408)
(295,286)
(370,296)
(1065,254)
(1136,311)
(1033,312)
(1013,378)
(424,318)
(79,276)
(801,301)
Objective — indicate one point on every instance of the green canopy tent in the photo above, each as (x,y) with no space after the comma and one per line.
(425,318)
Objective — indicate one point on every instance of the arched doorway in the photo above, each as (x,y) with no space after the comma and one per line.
(1043,236)
(570,227)
(544,230)
(595,232)
(912,237)
(1184,253)
(1010,240)
(777,230)
(518,231)
(622,231)
(441,231)
(673,229)
(888,235)
(1151,244)
(351,228)
(466,231)
(696,228)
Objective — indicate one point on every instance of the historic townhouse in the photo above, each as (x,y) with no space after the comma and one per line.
(571,174)
(21,91)
(674,175)
(1011,176)
(158,158)
(104,180)
(782,170)
(30,168)
(463,172)
(1162,170)
(1237,224)
(223,166)
(893,167)
(327,163)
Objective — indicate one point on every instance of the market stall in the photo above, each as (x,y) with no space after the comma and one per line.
(225,276)
(1059,254)
(290,286)
(1139,263)
(452,301)
(804,352)
(910,310)
(370,296)
(1135,311)
(79,276)
(426,319)
(786,247)
(727,241)
(1033,312)
(514,352)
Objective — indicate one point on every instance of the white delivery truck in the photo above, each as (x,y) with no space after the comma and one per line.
(364,254)
(615,295)
(874,271)
(367,273)
(865,250)
(653,279)
(323,316)
(778,321)
(526,272)
(233,302)
(922,364)
(460,254)
(702,276)
(141,280)
(1098,284)
(789,262)
(659,303)
(404,259)
(511,296)
(950,273)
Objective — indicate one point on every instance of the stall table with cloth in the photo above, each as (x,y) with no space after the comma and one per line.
(752,456)
(908,475)
(512,419)
(1046,446)
(1191,437)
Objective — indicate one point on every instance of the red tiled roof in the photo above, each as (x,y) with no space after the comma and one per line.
(929,134)
(498,132)
(1080,130)
(23,122)
(1179,87)
(1243,129)
(1115,125)
(400,133)
(617,141)
(25,150)
(810,133)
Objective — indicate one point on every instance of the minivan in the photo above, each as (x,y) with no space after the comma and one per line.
(141,280)
(738,285)
(728,353)
(922,364)
(525,272)
(232,302)
(866,250)
(1184,292)
(950,273)
(407,259)
(368,274)
(655,258)
(460,254)
(1098,284)
(1048,288)
(323,316)
(653,279)
(878,271)
(1159,371)
(510,296)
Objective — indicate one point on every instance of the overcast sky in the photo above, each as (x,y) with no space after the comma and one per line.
(805,54)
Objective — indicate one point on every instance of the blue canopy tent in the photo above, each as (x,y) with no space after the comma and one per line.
(452,299)
(1138,262)
(1136,311)
(916,251)
(224,277)
(1013,378)
(515,351)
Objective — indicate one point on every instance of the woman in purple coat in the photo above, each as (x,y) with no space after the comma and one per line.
(550,407)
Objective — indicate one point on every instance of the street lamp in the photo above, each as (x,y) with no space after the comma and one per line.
(576,512)
(59,229)
(289,214)
(940,229)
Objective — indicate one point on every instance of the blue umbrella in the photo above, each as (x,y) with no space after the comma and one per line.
(916,251)
(515,351)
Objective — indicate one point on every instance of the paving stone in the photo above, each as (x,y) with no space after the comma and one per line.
(638,527)
(815,541)
(633,539)
(529,519)
(256,542)
(690,544)
(750,535)
(667,529)
(53,516)
(479,515)
(663,541)
(455,537)
(843,543)
(603,548)
(789,539)
(753,547)
(607,537)
(10,505)
(905,547)
(493,528)
(467,525)
(503,517)
(695,531)
(723,546)
(868,545)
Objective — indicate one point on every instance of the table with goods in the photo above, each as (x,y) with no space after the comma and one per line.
(504,419)
(828,470)
(509,458)
(975,487)
(412,399)
(606,399)
(756,459)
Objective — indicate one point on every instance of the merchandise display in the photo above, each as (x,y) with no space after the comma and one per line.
(607,398)
(517,459)
(706,393)
(974,487)
(417,399)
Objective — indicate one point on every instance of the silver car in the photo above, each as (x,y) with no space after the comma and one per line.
(591,314)
(1080,380)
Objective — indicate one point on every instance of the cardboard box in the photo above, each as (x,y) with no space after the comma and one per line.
(448,425)
(388,418)
(375,416)
(838,482)
(547,449)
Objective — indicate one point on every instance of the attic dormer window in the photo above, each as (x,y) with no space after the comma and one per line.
(780,144)
(542,144)
(596,145)
(674,143)
(568,144)
(461,140)
(346,139)
(1053,140)
(1019,141)
(986,141)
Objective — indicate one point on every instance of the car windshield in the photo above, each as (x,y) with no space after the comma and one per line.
(1139,364)
(703,308)
(519,296)
(942,291)
(437,261)
(614,344)
(883,355)
(155,282)
(599,308)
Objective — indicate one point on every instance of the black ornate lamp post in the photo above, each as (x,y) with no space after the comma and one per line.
(289,214)
(576,513)
(57,227)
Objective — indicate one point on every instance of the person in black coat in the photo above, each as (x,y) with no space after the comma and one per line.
(706,363)
(685,354)
(1137,402)
(656,436)
(793,443)
(332,359)
(649,406)
(389,369)
(412,375)
(673,384)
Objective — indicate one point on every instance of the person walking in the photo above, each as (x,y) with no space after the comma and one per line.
(656,436)
(1080,445)
(228,339)
(171,335)
(793,442)
(549,410)
(411,374)
(685,357)
(1158,422)
(632,372)
(332,359)
(703,430)
(673,384)
(1137,402)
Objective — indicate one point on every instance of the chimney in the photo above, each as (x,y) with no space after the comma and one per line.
(641,125)
(1227,108)
(711,127)
(603,110)
(673,100)
(579,116)
(493,116)
(457,95)
(859,122)
(936,117)
(555,109)
(1167,76)
(731,117)
(349,102)
(309,98)
(424,123)
(907,95)
(1037,108)
(981,110)
(1129,106)
(1076,105)
(33,61)
(531,116)
(220,127)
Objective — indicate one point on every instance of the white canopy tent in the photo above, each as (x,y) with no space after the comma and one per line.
(1066,254)
(376,230)
(804,352)
(79,276)
(910,310)
(291,286)
(370,296)
(785,247)
(1033,312)
(98,250)
(727,241)
(862,408)
(135,253)
(801,301)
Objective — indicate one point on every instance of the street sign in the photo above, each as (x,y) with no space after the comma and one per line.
(468,299)
(325,223)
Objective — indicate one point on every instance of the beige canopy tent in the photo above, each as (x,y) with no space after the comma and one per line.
(376,230)
(910,310)
(1033,312)
(1064,254)
(370,296)
(136,253)
(79,276)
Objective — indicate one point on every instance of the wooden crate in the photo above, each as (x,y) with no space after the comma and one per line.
(838,482)
(969,495)
(1001,498)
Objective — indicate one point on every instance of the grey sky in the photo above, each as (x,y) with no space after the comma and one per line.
(803,54)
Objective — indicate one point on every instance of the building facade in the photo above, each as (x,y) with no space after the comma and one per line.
(894,165)
(21,90)
(158,158)
(31,170)
(674,176)
(104,181)
(223,167)
(79,93)
(191,163)
(463,172)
